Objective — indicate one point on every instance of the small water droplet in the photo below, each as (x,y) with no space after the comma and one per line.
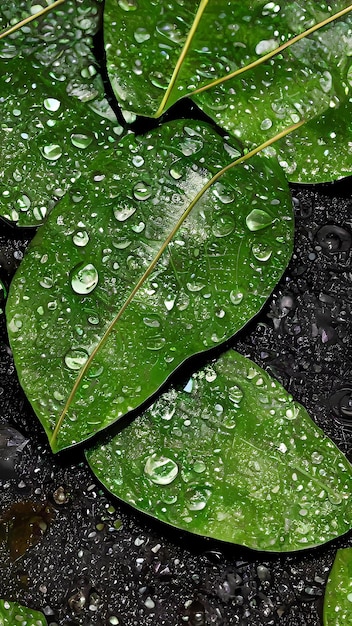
(199,467)
(258,219)
(141,34)
(197,498)
(176,170)
(123,213)
(236,297)
(81,140)
(80,238)
(261,251)
(142,191)
(160,469)
(84,278)
(138,161)
(52,152)
(224,225)
(52,104)
(76,358)
(128,5)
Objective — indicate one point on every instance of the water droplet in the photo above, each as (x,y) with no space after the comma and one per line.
(141,34)
(75,358)
(199,467)
(123,213)
(235,394)
(224,225)
(258,219)
(197,498)
(138,161)
(142,191)
(84,278)
(51,152)
(80,140)
(80,238)
(155,343)
(266,124)
(261,251)
(224,194)
(160,469)
(191,145)
(176,170)
(52,104)
(169,303)
(23,203)
(236,297)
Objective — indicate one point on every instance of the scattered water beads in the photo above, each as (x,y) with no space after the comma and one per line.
(160,469)
(84,278)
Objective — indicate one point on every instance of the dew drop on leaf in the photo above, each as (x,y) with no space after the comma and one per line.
(261,252)
(258,219)
(75,358)
(161,470)
(128,5)
(236,297)
(80,140)
(52,104)
(122,214)
(84,278)
(52,152)
(142,191)
(80,238)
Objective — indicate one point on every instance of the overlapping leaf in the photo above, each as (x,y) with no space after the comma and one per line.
(54,115)
(234,458)
(80,365)
(160,53)
(338,593)
(13,613)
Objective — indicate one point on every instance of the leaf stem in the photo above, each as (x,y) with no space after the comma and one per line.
(155,260)
(274,52)
(30,18)
(182,56)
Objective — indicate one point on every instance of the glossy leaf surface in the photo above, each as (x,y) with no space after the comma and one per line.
(80,365)
(321,150)
(232,457)
(54,115)
(158,53)
(12,613)
(338,593)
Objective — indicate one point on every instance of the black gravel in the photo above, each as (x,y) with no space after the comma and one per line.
(97,561)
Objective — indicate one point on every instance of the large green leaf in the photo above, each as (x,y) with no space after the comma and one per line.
(319,151)
(54,116)
(12,613)
(232,457)
(83,359)
(338,593)
(157,53)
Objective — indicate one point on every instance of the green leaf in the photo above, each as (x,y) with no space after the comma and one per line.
(158,53)
(233,457)
(338,593)
(13,613)
(319,151)
(54,116)
(93,334)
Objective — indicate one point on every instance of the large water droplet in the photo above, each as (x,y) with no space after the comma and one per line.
(199,467)
(128,5)
(141,34)
(52,104)
(142,191)
(84,278)
(23,203)
(160,469)
(52,152)
(224,225)
(224,194)
(76,358)
(197,498)
(123,213)
(236,297)
(258,219)
(80,238)
(261,251)
(81,140)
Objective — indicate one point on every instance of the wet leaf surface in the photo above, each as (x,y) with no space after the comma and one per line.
(338,594)
(232,457)
(82,266)
(13,613)
(55,118)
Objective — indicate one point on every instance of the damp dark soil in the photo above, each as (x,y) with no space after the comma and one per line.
(71,550)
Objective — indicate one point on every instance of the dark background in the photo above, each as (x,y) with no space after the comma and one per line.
(96,560)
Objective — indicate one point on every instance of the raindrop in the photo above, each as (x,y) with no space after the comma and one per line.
(258,219)
(199,467)
(224,194)
(23,203)
(261,251)
(175,170)
(52,152)
(266,124)
(128,5)
(160,469)
(138,161)
(80,238)
(76,358)
(158,80)
(84,278)
(334,238)
(236,297)
(52,104)
(80,140)
(122,214)
(142,191)
(235,394)
(197,498)
(141,34)
(224,225)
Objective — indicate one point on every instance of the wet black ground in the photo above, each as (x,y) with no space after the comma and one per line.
(99,562)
